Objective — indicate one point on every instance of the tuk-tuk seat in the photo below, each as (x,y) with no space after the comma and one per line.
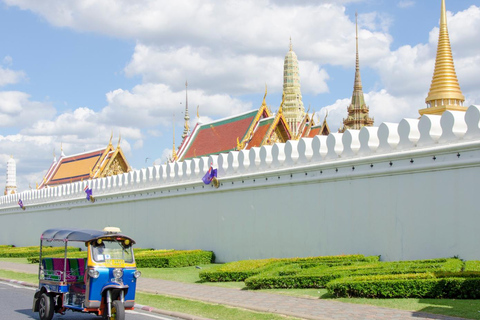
(53,269)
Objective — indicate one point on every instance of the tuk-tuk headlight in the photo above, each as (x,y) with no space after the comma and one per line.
(137,274)
(93,273)
(118,273)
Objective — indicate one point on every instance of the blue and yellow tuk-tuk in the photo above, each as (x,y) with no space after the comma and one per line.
(103,284)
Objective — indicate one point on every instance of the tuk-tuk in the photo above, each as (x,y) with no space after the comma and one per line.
(103,284)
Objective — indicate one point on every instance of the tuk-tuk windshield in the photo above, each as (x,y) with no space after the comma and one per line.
(110,249)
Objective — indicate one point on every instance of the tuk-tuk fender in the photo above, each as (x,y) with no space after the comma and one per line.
(114,286)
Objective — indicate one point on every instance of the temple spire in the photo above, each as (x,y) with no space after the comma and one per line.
(186,127)
(358,116)
(358,78)
(445,93)
(11,179)
(293,108)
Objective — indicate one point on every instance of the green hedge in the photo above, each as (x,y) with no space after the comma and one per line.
(174,259)
(317,277)
(451,285)
(147,258)
(25,252)
(472,265)
(241,270)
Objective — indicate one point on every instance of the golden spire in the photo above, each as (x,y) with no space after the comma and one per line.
(291,47)
(358,79)
(358,112)
(445,93)
(111,136)
(264,103)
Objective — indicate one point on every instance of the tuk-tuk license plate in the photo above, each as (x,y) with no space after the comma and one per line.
(115,262)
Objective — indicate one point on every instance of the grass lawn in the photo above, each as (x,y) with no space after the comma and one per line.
(27,277)
(202,309)
(469,309)
(16,260)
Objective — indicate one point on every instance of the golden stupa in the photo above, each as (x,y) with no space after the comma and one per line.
(445,93)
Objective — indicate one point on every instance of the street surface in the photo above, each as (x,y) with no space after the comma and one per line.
(16,304)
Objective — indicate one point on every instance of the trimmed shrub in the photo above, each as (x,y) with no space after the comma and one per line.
(473,265)
(25,252)
(173,259)
(235,271)
(451,285)
(318,277)
(241,270)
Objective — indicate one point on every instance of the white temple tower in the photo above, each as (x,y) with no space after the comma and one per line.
(293,109)
(11,181)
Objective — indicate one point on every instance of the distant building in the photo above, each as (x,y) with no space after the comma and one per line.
(254,128)
(358,112)
(92,164)
(445,93)
(11,179)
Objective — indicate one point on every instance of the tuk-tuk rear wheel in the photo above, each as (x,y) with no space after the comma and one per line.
(46,307)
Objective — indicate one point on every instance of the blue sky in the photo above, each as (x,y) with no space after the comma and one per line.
(71,72)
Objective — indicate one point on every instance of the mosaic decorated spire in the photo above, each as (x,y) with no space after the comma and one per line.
(445,93)
(11,181)
(293,108)
(358,111)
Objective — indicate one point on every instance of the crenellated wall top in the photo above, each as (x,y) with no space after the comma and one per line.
(430,132)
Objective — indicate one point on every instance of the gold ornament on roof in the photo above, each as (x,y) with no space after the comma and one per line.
(445,93)
(240,145)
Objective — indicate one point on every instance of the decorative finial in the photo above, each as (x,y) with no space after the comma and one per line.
(119,139)
(198,115)
(111,137)
(280,110)
(291,47)
(445,93)
(186,127)
(61,149)
(264,103)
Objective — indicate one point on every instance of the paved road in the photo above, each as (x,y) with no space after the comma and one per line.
(16,301)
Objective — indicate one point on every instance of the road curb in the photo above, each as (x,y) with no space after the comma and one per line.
(22,283)
(169,313)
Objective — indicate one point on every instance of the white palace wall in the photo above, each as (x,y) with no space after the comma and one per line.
(402,191)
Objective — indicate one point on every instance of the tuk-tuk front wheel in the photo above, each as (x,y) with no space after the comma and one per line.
(46,307)
(118,311)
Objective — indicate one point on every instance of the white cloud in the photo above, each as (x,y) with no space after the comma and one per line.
(150,104)
(17,110)
(7,60)
(8,76)
(406,4)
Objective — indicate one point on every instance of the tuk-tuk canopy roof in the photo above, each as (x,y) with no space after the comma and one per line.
(81,235)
